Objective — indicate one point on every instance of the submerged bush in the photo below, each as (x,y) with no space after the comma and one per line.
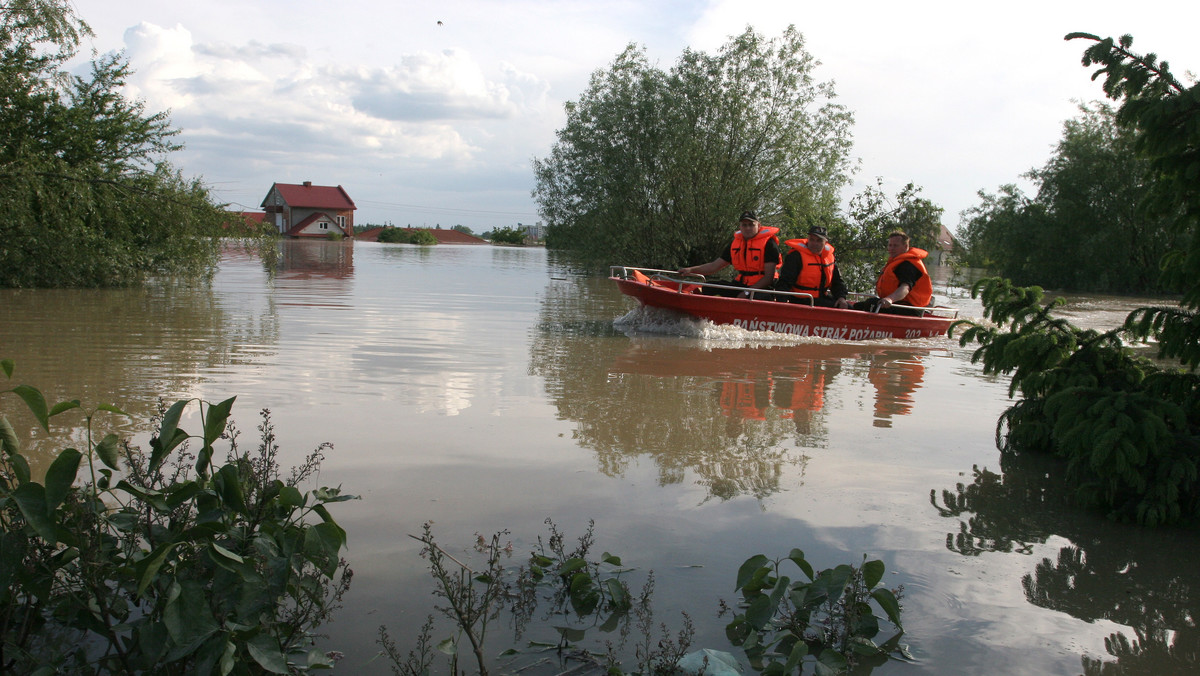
(164,563)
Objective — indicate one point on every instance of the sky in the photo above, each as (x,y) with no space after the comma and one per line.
(430,114)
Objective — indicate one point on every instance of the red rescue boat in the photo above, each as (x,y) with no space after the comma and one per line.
(761,312)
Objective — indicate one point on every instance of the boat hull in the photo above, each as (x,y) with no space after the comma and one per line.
(790,318)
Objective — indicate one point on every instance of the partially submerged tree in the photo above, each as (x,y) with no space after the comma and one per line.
(1127,429)
(88,196)
(1086,208)
(658,164)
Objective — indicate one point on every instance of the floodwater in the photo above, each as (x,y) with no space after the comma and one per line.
(486,389)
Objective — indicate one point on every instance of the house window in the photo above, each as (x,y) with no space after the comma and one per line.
(341,222)
(324,225)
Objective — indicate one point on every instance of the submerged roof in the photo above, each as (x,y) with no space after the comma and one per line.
(309,196)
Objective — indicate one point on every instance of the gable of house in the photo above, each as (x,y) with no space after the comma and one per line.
(318,224)
(287,205)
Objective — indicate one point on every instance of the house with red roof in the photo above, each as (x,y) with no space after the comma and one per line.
(308,210)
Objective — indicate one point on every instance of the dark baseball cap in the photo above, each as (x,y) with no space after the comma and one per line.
(748,216)
(819,231)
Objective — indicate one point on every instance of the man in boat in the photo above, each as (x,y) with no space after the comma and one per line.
(809,268)
(903,282)
(754,253)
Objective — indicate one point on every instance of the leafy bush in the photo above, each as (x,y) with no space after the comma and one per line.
(1125,427)
(508,236)
(828,617)
(167,563)
(406,236)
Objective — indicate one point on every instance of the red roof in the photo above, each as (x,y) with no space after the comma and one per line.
(309,196)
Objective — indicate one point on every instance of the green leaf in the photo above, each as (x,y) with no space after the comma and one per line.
(189,619)
(63,406)
(60,477)
(571,566)
(571,634)
(147,568)
(36,403)
(872,573)
(887,600)
(265,650)
(112,409)
(226,553)
(8,439)
(229,486)
(321,545)
(7,366)
(760,612)
(749,569)
(107,451)
(214,425)
(609,558)
(31,500)
(290,496)
(797,557)
(169,434)
(448,646)
(616,591)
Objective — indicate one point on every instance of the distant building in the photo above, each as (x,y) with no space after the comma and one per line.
(308,210)
(534,232)
(944,248)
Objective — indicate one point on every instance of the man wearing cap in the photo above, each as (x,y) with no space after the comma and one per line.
(903,282)
(809,268)
(754,253)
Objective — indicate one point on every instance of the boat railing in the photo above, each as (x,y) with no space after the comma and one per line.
(667,278)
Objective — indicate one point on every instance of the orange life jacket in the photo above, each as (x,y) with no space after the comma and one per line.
(919,295)
(816,272)
(747,257)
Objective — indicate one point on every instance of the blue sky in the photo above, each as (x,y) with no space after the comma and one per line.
(436,124)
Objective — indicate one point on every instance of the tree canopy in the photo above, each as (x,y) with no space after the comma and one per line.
(657,165)
(88,195)
(1126,428)
(1085,229)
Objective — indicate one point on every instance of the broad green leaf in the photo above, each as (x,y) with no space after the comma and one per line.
(226,553)
(147,569)
(31,500)
(168,434)
(7,366)
(321,545)
(8,438)
(36,403)
(20,467)
(290,496)
(797,557)
(795,657)
(760,612)
(63,406)
(872,573)
(60,477)
(749,569)
(616,591)
(571,566)
(112,409)
(610,558)
(189,619)
(108,451)
(214,425)
(887,600)
(229,485)
(265,650)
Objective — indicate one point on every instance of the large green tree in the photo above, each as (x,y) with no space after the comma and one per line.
(1126,428)
(1084,230)
(655,166)
(88,196)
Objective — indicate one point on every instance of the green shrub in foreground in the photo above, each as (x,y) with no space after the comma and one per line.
(167,563)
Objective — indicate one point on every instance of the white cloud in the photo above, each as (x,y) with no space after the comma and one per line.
(377,97)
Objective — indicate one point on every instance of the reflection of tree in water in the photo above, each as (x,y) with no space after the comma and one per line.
(128,347)
(1141,578)
(721,409)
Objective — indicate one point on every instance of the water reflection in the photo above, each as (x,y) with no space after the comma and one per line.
(128,347)
(725,410)
(1111,572)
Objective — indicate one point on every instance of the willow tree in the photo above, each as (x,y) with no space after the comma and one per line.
(653,167)
(88,196)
